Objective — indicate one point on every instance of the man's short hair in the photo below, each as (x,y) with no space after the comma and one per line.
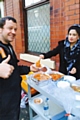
(3,20)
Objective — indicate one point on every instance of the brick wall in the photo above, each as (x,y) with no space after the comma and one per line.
(63,13)
(14,8)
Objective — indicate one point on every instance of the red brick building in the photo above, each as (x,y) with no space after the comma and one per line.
(63,13)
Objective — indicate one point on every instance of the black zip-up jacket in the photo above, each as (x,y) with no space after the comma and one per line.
(10,89)
(63,64)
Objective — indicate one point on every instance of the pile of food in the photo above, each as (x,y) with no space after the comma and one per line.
(37,100)
(41,76)
(56,76)
(38,64)
(75,87)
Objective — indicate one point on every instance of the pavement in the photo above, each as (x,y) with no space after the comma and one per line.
(24,113)
(24,107)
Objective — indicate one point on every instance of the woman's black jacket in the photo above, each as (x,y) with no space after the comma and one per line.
(63,64)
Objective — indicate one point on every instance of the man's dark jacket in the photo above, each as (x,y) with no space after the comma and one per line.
(10,89)
(63,64)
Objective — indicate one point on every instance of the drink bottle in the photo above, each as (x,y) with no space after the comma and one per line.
(46,107)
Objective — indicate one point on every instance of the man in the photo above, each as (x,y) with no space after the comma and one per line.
(10,81)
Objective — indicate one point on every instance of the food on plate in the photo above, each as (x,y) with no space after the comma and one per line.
(75,87)
(44,69)
(38,100)
(41,76)
(55,76)
(38,64)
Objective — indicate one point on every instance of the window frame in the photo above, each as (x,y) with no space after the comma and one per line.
(34,4)
(26,24)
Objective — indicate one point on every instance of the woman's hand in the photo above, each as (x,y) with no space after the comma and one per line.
(73,70)
(41,56)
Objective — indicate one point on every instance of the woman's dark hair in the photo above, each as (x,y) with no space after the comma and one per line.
(3,20)
(75,27)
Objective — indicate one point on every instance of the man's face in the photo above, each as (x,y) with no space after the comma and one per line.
(8,32)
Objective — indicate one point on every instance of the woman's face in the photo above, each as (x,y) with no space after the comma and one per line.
(73,36)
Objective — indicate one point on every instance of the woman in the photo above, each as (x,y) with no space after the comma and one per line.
(69,52)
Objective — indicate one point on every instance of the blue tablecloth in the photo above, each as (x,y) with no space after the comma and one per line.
(60,116)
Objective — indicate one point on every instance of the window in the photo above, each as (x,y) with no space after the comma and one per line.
(1,8)
(38,28)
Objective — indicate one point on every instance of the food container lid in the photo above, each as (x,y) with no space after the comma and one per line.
(63,84)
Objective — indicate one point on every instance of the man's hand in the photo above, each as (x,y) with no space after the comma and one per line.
(6,69)
(33,68)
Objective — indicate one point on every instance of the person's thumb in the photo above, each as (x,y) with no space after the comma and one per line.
(7,59)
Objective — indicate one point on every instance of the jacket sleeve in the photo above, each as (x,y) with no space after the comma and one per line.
(53,52)
(23,70)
